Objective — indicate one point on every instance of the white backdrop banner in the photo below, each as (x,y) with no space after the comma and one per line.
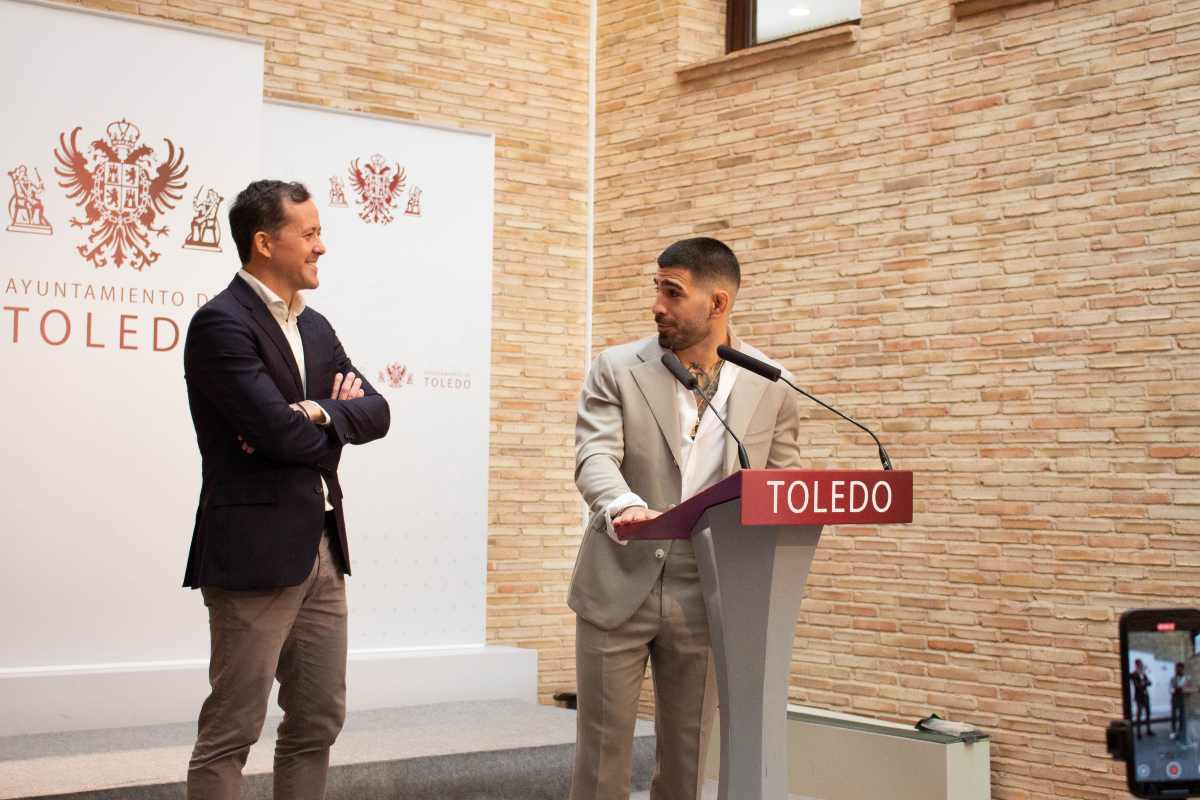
(124,145)
(406,282)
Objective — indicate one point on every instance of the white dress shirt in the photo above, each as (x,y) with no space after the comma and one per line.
(287,318)
(703,456)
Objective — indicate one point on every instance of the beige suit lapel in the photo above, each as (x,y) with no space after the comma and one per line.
(658,387)
(743,402)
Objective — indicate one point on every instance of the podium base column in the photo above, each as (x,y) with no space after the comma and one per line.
(753,579)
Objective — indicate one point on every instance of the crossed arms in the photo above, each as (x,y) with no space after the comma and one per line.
(221,361)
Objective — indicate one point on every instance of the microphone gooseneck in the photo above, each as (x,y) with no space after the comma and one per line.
(773,373)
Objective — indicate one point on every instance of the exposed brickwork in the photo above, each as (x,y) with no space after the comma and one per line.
(981,234)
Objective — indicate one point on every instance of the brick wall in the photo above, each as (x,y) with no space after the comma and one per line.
(982,235)
(978,232)
(519,69)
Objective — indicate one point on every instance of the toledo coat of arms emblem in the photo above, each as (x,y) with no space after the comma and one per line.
(378,187)
(122,191)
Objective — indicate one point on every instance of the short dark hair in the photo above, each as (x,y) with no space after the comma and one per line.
(259,207)
(707,259)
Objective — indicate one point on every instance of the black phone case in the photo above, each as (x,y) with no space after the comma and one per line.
(1148,620)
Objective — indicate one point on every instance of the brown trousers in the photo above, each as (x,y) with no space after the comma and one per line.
(298,635)
(670,629)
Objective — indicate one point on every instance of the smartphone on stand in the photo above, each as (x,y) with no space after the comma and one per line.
(1160,671)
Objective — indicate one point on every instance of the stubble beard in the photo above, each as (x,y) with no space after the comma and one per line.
(680,338)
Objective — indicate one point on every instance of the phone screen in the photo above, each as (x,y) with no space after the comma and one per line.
(1161,655)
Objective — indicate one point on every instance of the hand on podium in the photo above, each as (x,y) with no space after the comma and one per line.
(626,517)
(635,514)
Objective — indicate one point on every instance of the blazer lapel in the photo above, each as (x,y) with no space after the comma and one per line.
(262,317)
(743,402)
(307,339)
(658,387)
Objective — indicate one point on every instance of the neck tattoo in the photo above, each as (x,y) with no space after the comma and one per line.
(707,382)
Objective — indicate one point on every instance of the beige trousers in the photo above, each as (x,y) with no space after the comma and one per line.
(670,629)
(298,635)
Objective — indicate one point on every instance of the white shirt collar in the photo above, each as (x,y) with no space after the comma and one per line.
(274,302)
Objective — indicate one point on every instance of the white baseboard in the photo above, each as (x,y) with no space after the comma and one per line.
(96,696)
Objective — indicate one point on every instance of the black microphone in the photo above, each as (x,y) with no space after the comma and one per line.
(771,373)
(676,368)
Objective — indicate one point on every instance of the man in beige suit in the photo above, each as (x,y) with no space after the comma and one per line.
(643,444)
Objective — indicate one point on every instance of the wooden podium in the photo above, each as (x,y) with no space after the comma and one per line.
(755,534)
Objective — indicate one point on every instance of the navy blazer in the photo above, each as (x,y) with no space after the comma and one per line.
(261,515)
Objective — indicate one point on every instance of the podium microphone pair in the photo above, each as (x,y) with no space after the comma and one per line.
(752,364)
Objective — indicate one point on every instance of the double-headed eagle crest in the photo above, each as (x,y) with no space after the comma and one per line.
(121,191)
(378,187)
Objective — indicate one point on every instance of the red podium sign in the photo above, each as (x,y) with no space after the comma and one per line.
(825,497)
(792,497)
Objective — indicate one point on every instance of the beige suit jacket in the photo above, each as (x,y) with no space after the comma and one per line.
(627,439)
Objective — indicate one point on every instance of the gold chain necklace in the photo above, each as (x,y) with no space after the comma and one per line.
(708,385)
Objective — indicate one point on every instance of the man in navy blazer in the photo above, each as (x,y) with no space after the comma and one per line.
(274,398)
